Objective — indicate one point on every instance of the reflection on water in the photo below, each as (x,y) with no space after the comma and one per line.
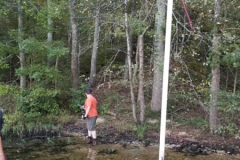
(91,154)
(76,149)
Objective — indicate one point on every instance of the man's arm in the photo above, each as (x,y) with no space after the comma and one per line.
(2,156)
(87,111)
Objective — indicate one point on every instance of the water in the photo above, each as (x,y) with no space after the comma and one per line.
(75,149)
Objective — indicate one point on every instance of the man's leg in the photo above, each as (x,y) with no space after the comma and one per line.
(89,141)
(90,134)
(94,134)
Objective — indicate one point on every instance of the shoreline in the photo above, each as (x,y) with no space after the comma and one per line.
(177,140)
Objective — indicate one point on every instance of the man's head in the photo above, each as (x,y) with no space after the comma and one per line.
(88,91)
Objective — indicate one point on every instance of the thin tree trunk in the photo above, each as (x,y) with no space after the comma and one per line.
(158,55)
(226,85)
(141,100)
(213,119)
(235,81)
(74,53)
(126,69)
(50,39)
(95,47)
(20,39)
(125,77)
(129,65)
(56,67)
(69,35)
(50,31)
(136,65)
(49,22)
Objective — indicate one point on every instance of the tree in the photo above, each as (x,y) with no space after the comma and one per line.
(158,55)
(20,40)
(130,64)
(141,101)
(50,28)
(215,84)
(74,52)
(95,46)
(140,55)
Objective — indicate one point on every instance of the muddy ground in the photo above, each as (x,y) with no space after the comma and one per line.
(181,138)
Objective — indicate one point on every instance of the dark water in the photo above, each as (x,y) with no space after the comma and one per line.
(75,149)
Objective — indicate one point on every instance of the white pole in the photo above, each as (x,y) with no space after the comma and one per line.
(165,79)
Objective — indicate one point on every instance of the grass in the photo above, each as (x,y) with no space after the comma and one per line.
(17,125)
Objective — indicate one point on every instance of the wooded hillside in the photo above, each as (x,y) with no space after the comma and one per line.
(51,50)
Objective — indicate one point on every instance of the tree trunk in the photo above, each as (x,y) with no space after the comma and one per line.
(213,119)
(20,39)
(141,100)
(50,27)
(95,48)
(74,52)
(235,81)
(126,69)
(226,81)
(158,55)
(130,64)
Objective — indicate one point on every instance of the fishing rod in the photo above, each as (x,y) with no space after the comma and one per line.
(186,12)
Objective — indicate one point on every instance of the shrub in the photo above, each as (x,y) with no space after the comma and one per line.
(38,102)
(77,98)
(228,113)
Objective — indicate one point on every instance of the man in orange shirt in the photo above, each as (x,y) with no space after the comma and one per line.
(91,115)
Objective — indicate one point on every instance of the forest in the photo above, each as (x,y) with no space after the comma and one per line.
(52,50)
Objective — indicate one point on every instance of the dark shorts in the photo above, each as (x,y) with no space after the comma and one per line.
(91,123)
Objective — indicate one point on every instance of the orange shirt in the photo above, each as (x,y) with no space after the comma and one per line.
(92,103)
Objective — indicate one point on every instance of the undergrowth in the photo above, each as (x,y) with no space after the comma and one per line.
(18,125)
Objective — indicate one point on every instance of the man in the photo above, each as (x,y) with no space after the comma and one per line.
(91,115)
(2,156)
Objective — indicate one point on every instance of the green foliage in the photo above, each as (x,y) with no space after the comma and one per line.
(141,130)
(232,55)
(5,50)
(7,94)
(18,124)
(36,48)
(180,99)
(103,109)
(7,89)
(110,100)
(40,74)
(198,122)
(137,25)
(154,126)
(38,102)
(228,113)
(3,65)
(78,98)
(151,114)
(38,70)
